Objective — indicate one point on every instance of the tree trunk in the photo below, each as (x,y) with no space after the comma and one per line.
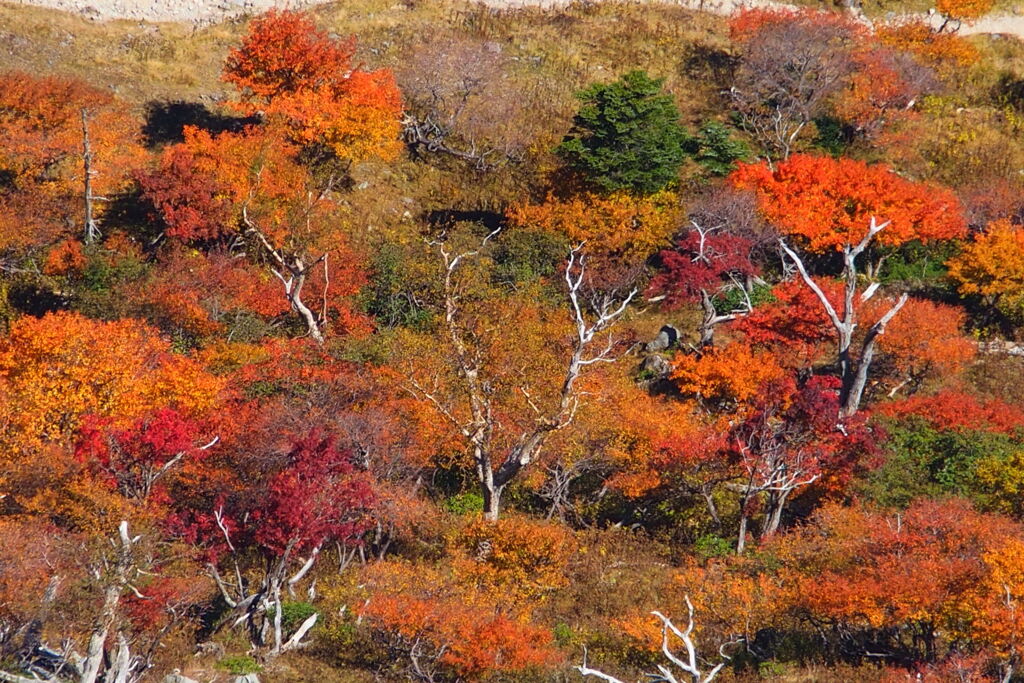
(492,502)
(92,233)
(294,294)
(741,542)
(773,515)
(94,655)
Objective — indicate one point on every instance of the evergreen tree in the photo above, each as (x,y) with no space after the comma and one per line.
(626,136)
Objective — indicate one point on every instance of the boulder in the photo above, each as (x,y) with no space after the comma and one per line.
(667,338)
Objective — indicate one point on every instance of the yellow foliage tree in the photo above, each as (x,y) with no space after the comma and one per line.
(992,267)
(618,224)
(56,369)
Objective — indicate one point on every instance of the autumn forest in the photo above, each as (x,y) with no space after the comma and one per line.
(445,343)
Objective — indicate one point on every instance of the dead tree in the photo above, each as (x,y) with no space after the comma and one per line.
(688,665)
(92,231)
(853,370)
(788,71)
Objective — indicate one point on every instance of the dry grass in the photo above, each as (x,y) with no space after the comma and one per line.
(568,48)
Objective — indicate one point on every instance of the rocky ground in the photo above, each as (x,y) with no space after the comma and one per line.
(201,11)
(206,11)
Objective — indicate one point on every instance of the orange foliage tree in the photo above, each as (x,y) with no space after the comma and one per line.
(442,628)
(959,11)
(940,50)
(844,205)
(827,204)
(56,369)
(924,342)
(618,224)
(287,68)
(251,185)
(499,383)
(727,378)
(67,147)
(882,90)
(937,570)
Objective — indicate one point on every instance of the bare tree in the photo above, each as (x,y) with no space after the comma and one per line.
(853,370)
(688,665)
(252,602)
(591,317)
(92,231)
(462,101)
(788,70)
(775,463)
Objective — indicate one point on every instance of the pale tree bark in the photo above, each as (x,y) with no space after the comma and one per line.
(853,371)
(710,317)
(292,270)
(496,470)
(92,231)
(251,605)
(772,475)
(121,571)
(688,663)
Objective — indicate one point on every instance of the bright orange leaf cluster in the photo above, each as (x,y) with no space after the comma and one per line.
(288,68)
(829,203)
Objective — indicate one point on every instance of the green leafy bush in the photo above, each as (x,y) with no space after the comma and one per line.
(239,665)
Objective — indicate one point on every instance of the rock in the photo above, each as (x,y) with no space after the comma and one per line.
(210,648)
(176,677)
(247,678)
(667,337)
(655,366)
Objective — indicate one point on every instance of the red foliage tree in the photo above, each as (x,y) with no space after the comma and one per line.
(790,441)
(953,409)
(294,505)
(137,458)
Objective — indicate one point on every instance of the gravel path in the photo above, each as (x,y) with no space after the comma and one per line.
(205,11)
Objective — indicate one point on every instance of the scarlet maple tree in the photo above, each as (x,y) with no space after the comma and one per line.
(712,261)
(136,459)
(956,409)
(286,510)
(790,440)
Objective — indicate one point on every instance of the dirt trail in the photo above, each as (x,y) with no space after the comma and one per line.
(205,11)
